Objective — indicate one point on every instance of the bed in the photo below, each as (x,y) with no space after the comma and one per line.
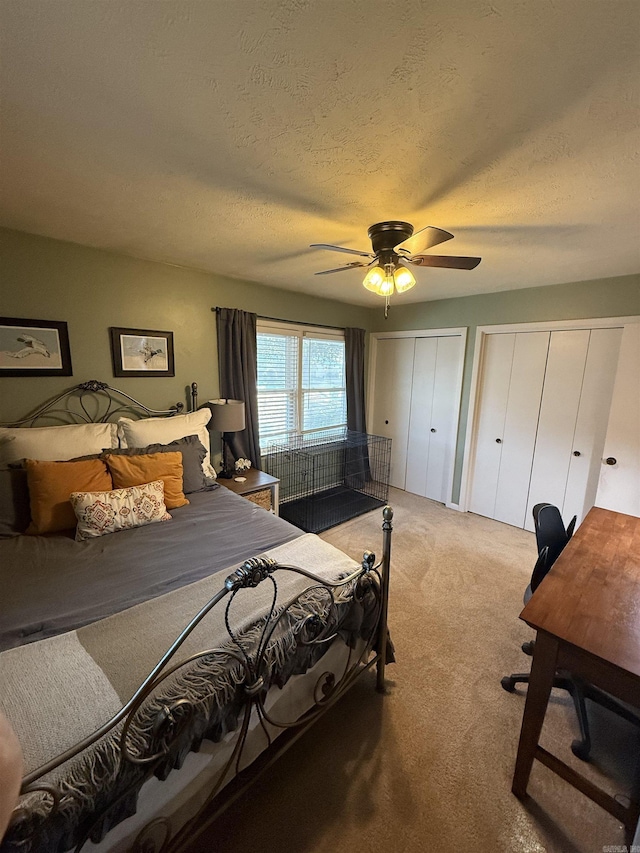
(153,672)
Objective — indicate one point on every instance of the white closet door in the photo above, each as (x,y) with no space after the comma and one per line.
(444,420)
(520,426)
(591,424)
(497,358)
(392,400)
(557,421)
(619,486)
(424,373)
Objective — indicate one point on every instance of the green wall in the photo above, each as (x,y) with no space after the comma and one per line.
(611,297)
(92,289)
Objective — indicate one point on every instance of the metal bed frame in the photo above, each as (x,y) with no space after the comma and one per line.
(151,741)
(102,395)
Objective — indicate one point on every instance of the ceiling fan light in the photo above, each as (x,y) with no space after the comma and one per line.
(374,280)
(388,285)
(403,279)
(386,288)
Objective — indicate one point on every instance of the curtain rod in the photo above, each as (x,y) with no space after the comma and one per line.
(217,309)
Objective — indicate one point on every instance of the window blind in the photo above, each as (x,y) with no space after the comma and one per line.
(301,381)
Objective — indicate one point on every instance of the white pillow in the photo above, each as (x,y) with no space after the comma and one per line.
(120,509)
(163,430)
(55,443)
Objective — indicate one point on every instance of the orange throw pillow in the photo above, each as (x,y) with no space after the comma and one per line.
(138,470)
(51,484)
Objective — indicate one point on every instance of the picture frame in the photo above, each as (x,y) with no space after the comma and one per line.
(34,347)
(141,352)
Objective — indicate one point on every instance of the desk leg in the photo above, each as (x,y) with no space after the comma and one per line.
(543,670)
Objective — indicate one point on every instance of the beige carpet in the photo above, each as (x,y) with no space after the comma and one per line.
(428,767)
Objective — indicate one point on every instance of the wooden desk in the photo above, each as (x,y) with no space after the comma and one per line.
(587,615)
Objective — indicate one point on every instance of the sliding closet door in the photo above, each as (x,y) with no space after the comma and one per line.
(544,399)
(433,418)
(557,422)
(416,400)
(619,486)
(512,379)
(493,395)
(521,422)
(591,425)
(444,419)
(392,400)
(424,374)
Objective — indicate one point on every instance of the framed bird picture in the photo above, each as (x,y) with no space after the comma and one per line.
(141,352)
(34,348)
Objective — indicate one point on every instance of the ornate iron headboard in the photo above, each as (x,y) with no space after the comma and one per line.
(107,402)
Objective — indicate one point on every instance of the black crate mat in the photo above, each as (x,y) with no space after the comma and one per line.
(315,513)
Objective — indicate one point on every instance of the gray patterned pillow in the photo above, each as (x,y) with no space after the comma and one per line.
(15,513)
(193,454)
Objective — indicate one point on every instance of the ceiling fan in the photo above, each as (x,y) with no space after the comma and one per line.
(394,244)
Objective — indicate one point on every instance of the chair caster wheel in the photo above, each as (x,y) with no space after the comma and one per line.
(580,749)
(508,684)
(527,648)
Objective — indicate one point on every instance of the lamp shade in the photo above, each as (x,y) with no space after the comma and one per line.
(226,415)
(373,279)
(403,279)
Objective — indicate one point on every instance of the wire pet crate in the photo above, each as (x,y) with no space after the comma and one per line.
(325,480)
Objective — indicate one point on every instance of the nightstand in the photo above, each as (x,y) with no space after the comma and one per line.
(258,487)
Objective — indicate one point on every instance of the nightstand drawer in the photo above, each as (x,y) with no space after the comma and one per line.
(262,498)
(256,486)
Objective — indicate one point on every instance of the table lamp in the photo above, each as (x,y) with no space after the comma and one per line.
(226,416)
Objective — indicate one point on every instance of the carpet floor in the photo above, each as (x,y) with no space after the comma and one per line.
(428,766)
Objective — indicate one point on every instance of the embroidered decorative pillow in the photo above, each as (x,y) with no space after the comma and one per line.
(99,513)
(136,470)
(51,484)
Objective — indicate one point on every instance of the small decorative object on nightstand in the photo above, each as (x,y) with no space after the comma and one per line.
(257,487)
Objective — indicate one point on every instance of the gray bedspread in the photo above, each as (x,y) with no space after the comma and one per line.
(53,584)
(59,690)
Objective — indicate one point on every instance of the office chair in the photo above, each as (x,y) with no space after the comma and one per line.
(551,538)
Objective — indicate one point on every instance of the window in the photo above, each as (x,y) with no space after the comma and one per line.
(301,381)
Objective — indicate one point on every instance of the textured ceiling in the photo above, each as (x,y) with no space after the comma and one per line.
(229,135)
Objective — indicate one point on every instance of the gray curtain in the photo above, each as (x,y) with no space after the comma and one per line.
(354,362)
(356,457)
(238,369)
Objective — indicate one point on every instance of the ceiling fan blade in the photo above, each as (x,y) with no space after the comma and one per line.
(352,266)
(453,262)
(341,249)
(424,239)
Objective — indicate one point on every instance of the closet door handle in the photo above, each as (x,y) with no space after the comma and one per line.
(576,453)
(498,441)
(386,422)
(433,429)
(611,460)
